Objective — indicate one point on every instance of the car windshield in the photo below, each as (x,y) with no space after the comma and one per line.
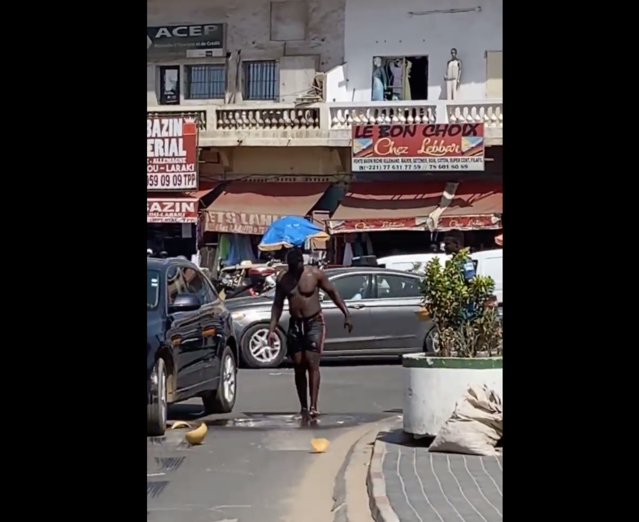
(152,289)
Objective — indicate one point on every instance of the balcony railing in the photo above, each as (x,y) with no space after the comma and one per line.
(327,124)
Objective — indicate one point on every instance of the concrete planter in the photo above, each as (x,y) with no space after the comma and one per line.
(432,386)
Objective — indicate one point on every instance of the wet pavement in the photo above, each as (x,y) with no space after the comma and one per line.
(252,460)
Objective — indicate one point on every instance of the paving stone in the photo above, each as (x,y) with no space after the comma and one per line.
(435,487)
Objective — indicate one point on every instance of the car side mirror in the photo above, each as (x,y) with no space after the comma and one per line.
(185,303)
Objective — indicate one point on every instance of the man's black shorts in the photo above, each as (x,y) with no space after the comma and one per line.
(306,334)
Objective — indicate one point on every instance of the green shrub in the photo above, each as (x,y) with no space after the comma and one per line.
(465,324)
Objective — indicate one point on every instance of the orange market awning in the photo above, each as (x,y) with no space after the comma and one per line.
(386,205)
(249,208)
(476,205)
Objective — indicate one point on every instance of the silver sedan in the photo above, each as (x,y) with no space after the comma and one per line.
(382,304)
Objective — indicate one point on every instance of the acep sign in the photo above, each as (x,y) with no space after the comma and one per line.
(184,40)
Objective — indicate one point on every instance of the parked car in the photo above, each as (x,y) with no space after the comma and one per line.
(190,346)
(487,263)
(382,304)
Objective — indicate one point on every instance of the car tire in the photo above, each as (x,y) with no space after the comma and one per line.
(156,411)
(429,342)
(250,350)
(222,400)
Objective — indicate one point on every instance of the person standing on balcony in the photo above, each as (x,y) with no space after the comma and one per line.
(453,75)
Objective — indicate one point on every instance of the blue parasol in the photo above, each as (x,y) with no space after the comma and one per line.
(290,231)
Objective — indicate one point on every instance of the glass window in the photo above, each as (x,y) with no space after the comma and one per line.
(196,285)
(170,85)
(393,286)
(206,82)
(175,283)
(353,287)
(261,81)
(152,289)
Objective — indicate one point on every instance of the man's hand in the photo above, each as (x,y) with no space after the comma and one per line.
(348,324)
(271,339)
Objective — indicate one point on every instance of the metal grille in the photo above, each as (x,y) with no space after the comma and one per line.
(261,81)
(206,82)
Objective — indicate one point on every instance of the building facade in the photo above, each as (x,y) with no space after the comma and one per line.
(275,87)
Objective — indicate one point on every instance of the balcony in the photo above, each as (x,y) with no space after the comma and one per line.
(326,124)
(489,112)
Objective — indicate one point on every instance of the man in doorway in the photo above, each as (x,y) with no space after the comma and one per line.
(306,330)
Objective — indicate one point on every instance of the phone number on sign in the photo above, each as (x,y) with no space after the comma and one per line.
(419,164)
(171,181)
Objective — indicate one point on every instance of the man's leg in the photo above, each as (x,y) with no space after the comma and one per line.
(299,366)
(313,363)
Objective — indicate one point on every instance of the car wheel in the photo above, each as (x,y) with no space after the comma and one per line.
(256,353)
(222,400)
(430,343)
(156,410)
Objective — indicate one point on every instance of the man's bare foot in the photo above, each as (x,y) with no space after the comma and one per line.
(303,413)
(314,413)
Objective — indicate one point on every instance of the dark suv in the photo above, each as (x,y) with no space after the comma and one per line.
(190,347)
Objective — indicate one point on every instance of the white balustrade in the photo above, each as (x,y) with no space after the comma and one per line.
(488,112)
(267,119)
(343,115)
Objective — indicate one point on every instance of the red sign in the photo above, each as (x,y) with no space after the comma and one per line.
(374,225)
(479,222)
(159,210)
(171,153)
(439,146)
(238,222)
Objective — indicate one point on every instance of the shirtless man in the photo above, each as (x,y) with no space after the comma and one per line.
(306,329)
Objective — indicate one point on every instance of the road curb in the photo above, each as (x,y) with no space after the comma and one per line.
(376,484)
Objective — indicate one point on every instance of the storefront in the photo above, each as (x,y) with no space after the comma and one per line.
(412,183)
(171,221)
(382,218)
(231,227)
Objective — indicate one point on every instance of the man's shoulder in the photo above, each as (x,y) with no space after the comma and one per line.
(314,271)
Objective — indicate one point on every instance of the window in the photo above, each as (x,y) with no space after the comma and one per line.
(196,285)
(206,82)
(390,287)
(175,283)
(261,81)
(170,85)
(152,289)
(353,287)
(400,78)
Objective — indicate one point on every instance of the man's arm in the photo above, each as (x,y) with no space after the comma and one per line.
(331,291)
(278,306)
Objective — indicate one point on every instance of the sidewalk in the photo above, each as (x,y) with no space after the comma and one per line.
(406,483)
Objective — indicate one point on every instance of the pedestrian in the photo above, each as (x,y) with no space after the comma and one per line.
(453,243)
(306,329)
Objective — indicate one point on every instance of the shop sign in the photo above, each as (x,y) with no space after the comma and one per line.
(171,153)
(239,222)
(171,210)
(478,222)
(375,225)
(434,147)
(185,41)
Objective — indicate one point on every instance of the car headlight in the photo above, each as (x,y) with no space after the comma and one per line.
(237,316)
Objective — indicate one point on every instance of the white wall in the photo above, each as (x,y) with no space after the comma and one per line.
(248,25)
(384,28)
